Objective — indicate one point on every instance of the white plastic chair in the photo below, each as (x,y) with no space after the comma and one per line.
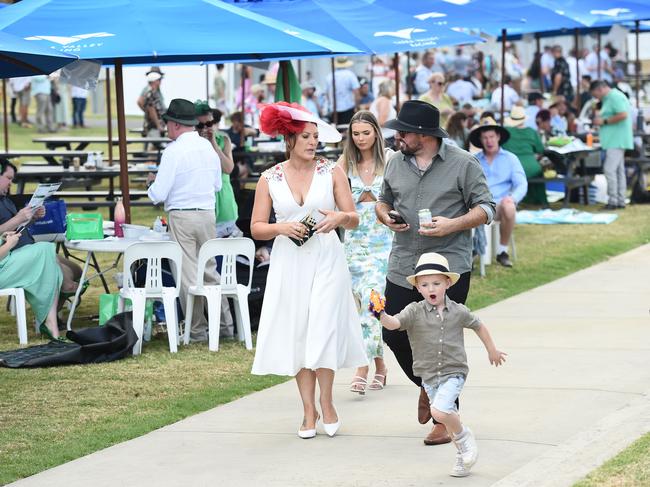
(229,249)
(17,307)
(153,253)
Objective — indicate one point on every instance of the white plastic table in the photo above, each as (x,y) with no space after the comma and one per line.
(110,245)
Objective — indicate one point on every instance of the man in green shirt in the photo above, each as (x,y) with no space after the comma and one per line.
(615,134)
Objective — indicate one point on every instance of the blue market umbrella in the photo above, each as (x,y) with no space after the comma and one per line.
(376,27)
(599,13)
(159,31)
(19,57)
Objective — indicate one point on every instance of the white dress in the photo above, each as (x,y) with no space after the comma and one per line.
(309,318)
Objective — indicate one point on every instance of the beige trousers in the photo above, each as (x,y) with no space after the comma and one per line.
(191,229)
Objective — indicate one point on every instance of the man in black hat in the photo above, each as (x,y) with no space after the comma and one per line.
(188,177)
(427,173)
(506,179)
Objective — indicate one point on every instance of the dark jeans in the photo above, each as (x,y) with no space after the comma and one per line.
(344,117)
(78,109)
(397,298)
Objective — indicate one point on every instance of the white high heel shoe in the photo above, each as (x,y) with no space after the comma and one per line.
(332,428)
(310,433)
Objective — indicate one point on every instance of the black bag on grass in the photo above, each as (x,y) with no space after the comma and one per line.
(113,341)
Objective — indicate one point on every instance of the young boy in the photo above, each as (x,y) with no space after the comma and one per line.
(435,331)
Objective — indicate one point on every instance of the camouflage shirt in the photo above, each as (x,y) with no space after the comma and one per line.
(152,98)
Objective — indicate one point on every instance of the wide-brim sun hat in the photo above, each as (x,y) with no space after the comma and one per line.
(418,117)
(277,118)
(343,62)
(432,263)
(181,111)
(517,117)
(488,123)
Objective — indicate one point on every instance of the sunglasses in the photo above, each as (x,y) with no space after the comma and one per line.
(439,83)
(202,125)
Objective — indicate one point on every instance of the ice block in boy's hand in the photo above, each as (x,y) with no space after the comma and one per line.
(377,303)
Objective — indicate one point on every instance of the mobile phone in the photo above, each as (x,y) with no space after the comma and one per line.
(397,218)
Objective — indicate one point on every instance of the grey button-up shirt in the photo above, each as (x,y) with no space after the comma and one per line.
(437,339)
(451,186)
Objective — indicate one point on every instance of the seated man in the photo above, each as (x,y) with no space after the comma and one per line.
(505,177)
(11,219)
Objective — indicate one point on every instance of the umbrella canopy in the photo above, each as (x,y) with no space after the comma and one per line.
(19,57)
(489,16)
(158,31)
(599,13)
(373,26)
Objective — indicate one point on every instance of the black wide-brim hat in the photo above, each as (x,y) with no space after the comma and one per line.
(488,124)
(418,117)
(181,111)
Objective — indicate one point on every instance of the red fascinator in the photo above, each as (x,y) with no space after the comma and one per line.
(277,118)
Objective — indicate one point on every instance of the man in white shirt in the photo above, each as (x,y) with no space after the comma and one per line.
(347,90)
(423,73)
(462,90)
(188,177)
(509,94)
(21,88)
(547,62)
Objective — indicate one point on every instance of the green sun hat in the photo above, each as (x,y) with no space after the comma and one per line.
(202,107)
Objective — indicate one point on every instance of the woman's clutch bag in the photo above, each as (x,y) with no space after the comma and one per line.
(309,221)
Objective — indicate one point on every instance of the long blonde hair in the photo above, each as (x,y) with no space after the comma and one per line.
(352,154)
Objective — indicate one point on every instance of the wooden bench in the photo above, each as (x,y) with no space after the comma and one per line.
(569,183)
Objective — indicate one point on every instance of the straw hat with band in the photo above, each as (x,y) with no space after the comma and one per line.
(488,123)
(517,117)
(283,118)
(432,263)
(418,117)
(343,62)
(181,111)
(155,69)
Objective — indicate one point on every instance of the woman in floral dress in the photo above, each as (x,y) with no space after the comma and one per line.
(367,246)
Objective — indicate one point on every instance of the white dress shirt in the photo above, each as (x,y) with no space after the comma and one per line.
(189,174)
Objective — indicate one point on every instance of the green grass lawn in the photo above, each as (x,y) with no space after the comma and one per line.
(50,416)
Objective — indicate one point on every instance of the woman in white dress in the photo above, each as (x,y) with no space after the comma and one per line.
(309,326)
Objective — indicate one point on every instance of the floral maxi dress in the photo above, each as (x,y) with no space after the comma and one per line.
(367,248)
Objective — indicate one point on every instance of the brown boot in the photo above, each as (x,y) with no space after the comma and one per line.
(437,436)
(424,409)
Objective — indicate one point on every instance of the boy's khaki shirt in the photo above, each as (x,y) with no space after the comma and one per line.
(437,341)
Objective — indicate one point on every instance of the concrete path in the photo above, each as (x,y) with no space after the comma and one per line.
(573,393)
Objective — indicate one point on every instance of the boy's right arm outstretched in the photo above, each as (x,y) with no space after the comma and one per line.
(376,307)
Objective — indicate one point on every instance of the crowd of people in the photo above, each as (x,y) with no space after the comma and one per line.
(393,214)
(54,102)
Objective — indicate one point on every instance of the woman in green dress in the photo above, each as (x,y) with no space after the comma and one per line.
(526,144)
(33,268)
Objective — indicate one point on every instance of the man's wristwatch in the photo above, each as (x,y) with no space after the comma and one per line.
(605,122)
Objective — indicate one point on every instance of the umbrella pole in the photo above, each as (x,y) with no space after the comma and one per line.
(396,67)
(539,51)
(598,47)
(335,117)
(576,33)
(207,83)
(409,87)
(4,112)
(637,75)
(286,89)
(109,120)
(503,73)
(299,70)
(121,134)
(242,135)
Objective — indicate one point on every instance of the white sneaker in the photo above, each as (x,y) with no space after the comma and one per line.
(467,447)
(459,469)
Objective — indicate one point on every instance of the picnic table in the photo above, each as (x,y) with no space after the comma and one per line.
(53,157)
(81,142)
(577,155)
